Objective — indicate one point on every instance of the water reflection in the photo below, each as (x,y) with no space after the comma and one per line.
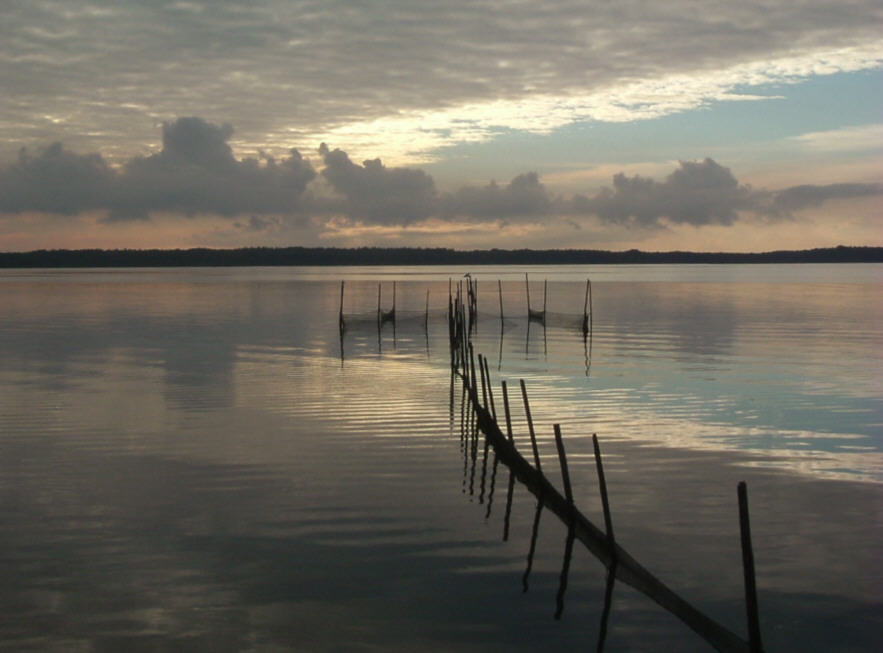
(187,465)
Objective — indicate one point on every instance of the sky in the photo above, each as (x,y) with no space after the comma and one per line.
(701,125)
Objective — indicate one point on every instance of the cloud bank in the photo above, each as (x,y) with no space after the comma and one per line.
(196,173)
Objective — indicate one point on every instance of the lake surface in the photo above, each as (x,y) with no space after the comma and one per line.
(195,460)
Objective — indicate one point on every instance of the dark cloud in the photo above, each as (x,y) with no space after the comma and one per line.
(807,196)
(196,172)
(524,195)
(379,194)
(55,181)
(698,193)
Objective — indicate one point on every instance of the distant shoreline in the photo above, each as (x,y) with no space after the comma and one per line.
(380,256)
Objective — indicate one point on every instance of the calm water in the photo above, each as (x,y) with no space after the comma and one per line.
(193,460)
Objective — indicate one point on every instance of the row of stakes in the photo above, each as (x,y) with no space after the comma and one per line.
(619,563)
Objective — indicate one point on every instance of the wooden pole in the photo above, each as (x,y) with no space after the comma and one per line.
(562,458)
(483,385)
(533,435)
(527,286)
(586,308)
(545,285)
(500,288)
(490,388)
(472,368)
(605,503)
(509,435)
(340,319)
(748,568)
(627,568)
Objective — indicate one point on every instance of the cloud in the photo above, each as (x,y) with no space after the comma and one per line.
(379,194)
(416,74)
(811,196)
(195,172)
(55,181)
(697,193)
(524,195)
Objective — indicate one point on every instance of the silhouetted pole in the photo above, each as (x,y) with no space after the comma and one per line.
(379,309)
(545,286)
(562,458)
(527,286)
(748,568)
(483,385)
(533,435)
(340,319)
(472,368)
(500,288)
(587,309)
(608,520)
(490,388)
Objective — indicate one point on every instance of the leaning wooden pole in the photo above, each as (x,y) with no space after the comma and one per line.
(627,568)
(562,458)
(748,569)
(605,503)
(533,435)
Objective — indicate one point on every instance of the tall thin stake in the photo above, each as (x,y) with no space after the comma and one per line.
(509,435)
(748,568)
(490,388)
(562,457)
(527,286)
(340,319)
(533,435)
(483,384)
(608,520)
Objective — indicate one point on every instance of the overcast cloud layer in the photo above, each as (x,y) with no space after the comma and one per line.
(388,76)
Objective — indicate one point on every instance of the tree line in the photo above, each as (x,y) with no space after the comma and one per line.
(338,256)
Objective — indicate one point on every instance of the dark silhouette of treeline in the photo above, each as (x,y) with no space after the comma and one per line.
(321,256)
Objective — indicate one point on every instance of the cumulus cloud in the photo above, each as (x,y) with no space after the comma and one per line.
(379,194)
(55,181)
(697,193)
(196,172)
(524,195)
